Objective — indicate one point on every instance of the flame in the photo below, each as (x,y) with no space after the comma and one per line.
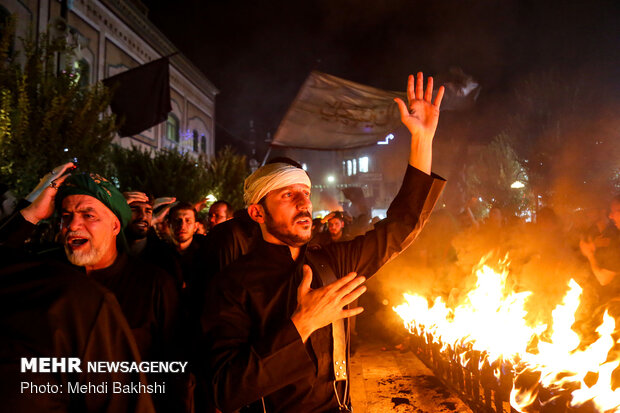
(492,320)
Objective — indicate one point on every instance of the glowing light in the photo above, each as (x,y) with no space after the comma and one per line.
(363,164)
(331,179)
(387,140)
(491,319)
(211,198)
(517,185)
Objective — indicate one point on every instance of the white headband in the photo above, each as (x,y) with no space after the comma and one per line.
(271,177)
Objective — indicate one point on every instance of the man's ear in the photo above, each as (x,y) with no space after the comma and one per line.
(257,213)
(116,225)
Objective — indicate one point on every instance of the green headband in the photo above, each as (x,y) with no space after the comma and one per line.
(99,188)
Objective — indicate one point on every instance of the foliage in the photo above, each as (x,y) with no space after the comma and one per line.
(48,118)
(493,173)
(161,173)
(567,137)
(226,174)
(169,173)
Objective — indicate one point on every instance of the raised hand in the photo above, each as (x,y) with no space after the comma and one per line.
(420,116)
(162,212)
(135,196)
(320,307)
(200,205)
(48,179)
(44,194)
(587,247)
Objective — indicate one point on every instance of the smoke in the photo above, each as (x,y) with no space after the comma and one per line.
(542,257)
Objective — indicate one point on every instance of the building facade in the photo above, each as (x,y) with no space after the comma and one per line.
(377,170)
(112,36)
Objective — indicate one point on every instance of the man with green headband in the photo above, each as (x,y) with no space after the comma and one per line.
(93,214)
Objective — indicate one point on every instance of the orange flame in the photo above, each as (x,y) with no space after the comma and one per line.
(492,320)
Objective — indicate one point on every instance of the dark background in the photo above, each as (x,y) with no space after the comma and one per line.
(259,53)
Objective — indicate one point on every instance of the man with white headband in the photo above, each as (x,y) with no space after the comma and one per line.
(276,318)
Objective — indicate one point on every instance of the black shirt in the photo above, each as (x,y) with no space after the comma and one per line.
(253,348)
(48,309)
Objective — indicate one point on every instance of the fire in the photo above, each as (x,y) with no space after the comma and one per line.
(492,320)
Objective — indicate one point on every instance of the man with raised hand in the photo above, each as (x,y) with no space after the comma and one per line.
(275,330)
(93,214)
(142,239)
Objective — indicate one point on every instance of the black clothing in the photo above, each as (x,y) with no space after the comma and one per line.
(149,300)
(189,257)
(158,253)
(189,262)
(146,293)
(224,244)
(228,241)
(324,238)
(14,231)
(254,349)
(48,309)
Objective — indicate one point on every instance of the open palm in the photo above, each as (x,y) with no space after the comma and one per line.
(421,115)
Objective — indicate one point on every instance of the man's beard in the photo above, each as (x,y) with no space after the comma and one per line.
(180,239)
(279,230)
(134,234)
(90,257)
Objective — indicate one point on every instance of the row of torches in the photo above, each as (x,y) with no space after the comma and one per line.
(537,367)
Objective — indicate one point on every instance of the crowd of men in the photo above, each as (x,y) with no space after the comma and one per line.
(259,303)
(258,310)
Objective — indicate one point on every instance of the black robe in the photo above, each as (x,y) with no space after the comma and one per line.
(149,300)
(48,309)
(252,347)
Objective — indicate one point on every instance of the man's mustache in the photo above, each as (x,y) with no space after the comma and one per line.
(304,214)
(76,234)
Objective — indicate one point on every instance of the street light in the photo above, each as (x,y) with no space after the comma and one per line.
(517,185)
(331,179)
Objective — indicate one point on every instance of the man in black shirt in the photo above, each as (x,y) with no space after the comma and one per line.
(142,238)
(49,309)
(93,214)
(275,336)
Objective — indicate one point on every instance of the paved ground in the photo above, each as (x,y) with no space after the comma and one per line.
(385,379)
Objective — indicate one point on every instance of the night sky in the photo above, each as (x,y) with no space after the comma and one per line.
(259,53)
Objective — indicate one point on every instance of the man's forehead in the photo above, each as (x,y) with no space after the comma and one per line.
(81,202)
(182,213)
(138,204)
(217,208)
(293,187)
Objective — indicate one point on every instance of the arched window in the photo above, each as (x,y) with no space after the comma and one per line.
(5,19)
(172,128)
(203,144)
(195,136)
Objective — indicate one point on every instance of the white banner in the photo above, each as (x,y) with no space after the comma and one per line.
(334,113)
